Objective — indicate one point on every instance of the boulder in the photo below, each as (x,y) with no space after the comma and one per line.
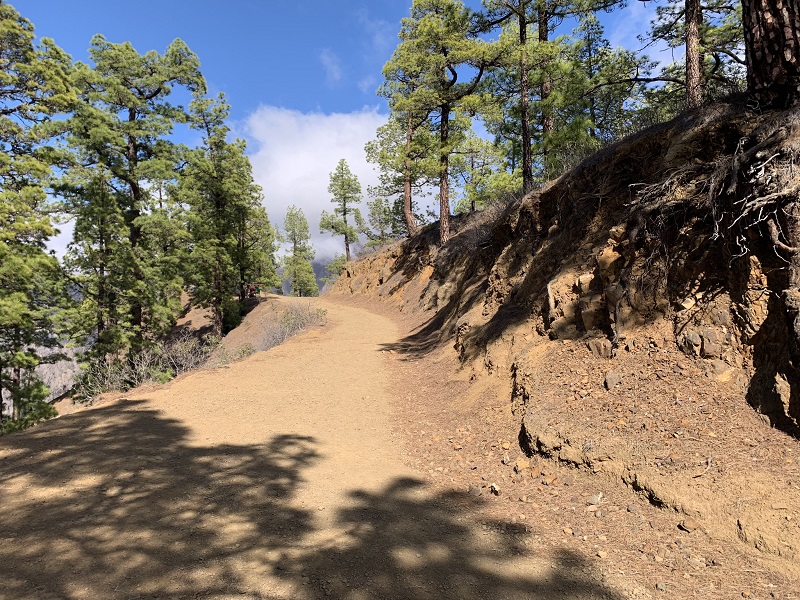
(600,347)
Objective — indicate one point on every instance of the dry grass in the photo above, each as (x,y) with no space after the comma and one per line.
(187,352)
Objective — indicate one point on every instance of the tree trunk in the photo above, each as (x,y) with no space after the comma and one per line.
(16,379)
(444,174)
(135,235)
(241,246)
(548,121)
(408,212)
(103,301)
(218,299)
(16,383)
(524,105)
(2,415)
(346,237)
(772,51)
(694,73)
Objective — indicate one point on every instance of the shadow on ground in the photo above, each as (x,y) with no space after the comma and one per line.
(406,544)
(138,512)
(116,503)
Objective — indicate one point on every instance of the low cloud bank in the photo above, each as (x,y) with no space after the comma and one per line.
(293,154)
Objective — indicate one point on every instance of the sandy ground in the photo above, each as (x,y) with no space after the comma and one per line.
(281,476)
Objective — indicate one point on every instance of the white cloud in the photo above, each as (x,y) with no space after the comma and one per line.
(332,65)
(293,154)
(381,35)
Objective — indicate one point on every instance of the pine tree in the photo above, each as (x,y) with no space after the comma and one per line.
(712,38)
(535,65)
(441,45)
(405,148)
(97,260)
(124,162)
(500,11)
(380,225)
(297,269)
(599,95)
(404,153)
(346,191)
(35,86)
(232,242)
(334,269)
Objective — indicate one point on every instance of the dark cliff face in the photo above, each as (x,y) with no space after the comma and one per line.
(647,232)
(60,376)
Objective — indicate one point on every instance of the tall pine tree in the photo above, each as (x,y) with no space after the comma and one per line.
(232,242)
(297,269)
(34,87)
(346,191)
(441,45)
(124,160)
(404,154)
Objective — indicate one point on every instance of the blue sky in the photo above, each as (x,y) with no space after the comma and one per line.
(300,75)
(306,55)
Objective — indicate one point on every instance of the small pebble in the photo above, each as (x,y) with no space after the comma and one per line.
(661,586)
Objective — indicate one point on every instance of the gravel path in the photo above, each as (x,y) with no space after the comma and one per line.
(276,477)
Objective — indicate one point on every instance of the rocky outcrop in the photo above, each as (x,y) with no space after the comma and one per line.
(634,322)
(628,239)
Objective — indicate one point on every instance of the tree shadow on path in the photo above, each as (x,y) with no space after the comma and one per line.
(120,502)
(114,503)
(404,544)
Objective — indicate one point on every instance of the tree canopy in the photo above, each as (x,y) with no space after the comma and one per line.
(298,271)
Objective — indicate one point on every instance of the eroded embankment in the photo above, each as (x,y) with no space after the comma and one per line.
(639,310)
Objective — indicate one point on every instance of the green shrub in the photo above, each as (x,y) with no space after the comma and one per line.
(30,414)
(231,315)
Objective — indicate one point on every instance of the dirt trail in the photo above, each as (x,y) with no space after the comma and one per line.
(276,477)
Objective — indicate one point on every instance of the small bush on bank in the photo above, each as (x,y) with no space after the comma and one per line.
(295,318)
(161,363)
(156,364)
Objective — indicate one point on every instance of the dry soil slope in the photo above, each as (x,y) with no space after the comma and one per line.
(638,319)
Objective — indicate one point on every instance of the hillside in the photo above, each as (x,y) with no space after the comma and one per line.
(584,394)
(639,313)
